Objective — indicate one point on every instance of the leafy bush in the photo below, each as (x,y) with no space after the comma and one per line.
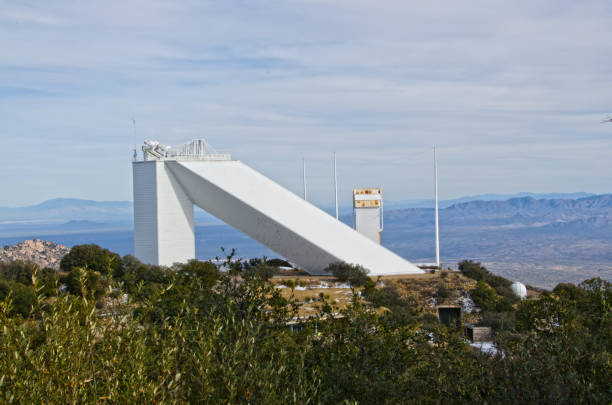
(278,263)
(203,274)
(95,258)
(499,321)
(18,271)
(23,297)
(403,310)
(473,270)
(484,296)
(355,274)
(570,291)
(205,337)
(80,281)
(443,292)
(501,285)
(262,271)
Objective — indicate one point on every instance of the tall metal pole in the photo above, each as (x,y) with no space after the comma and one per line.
(335,185)
(135,152)
(304,171)
(436,200)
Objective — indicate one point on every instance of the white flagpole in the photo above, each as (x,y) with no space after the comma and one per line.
(304,171)
(335,185)
(436,201)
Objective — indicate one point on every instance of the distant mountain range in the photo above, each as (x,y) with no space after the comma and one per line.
(541,241)
(69,209)
(65,210)
(481,197)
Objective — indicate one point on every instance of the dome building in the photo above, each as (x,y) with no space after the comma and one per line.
(519,289)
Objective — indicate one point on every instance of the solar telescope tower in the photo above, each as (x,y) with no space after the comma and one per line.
(169,181)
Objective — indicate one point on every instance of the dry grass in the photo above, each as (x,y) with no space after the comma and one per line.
(308,291)
(421,288)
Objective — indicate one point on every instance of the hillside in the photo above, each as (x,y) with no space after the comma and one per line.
(43,253)
(541,242)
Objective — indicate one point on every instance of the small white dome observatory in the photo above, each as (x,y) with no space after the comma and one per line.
(519,289)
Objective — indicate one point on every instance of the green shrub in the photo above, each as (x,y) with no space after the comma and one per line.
(501,285)
(443,292)
(473,270)
(85,282)
(499,321)
(278,263)
(355,274)
(94,258)
(23,297)
(202,337)
(18,271)
(484,296)
(203,275)
(261,271)
(570,291)
(49,282)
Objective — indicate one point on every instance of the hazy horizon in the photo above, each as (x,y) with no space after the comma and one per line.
(485,196)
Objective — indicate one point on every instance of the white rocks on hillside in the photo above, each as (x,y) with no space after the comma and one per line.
(43,253)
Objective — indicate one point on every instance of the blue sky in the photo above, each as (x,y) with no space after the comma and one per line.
(511,92)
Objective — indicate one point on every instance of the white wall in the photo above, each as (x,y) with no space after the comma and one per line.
(163,216)
(175,226)
(367,222)
(145,211)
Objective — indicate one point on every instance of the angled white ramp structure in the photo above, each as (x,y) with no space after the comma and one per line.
(167,183)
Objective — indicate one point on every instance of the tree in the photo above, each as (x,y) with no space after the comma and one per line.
(94,258)
(203,275)
(49,281)
(484,296)
(473,270)
(278,263)
(22,297)
(18,271)
(82,281)
(262,271)
(355,274)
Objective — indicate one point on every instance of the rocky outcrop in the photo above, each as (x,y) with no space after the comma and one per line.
(43,253)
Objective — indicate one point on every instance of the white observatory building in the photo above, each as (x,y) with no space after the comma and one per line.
(168,181)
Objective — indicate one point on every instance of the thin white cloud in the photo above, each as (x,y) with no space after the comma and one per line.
(511,90)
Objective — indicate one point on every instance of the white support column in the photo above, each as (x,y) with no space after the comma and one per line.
(163,216)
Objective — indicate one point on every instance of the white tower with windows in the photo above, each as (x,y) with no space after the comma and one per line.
(368,212)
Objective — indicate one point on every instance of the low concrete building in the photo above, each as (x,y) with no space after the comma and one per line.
(450,315)
(479,333)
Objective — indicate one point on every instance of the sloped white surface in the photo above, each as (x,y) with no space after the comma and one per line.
(279,219)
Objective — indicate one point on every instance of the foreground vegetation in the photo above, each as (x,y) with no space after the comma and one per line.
(126,332)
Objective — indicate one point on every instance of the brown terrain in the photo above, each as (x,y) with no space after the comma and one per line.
(420,288)
(43,253)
